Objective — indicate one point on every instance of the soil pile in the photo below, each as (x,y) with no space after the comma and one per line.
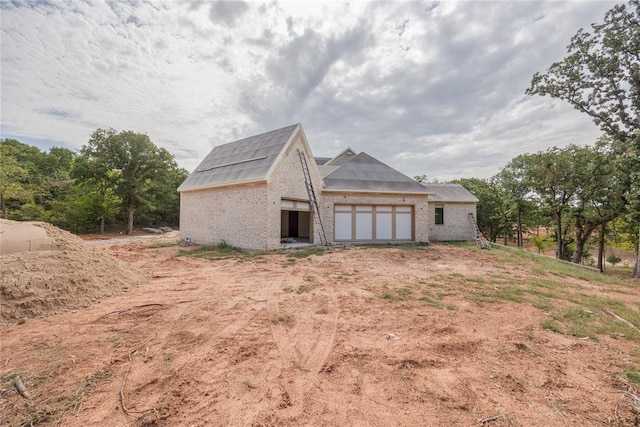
(58,274)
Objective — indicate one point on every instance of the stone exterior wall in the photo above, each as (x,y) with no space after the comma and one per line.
(234,214)
(248,216)
(287,182)
(419,202)
(456,225)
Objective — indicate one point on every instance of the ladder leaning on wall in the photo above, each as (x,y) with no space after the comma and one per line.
(313,201)
(482,244)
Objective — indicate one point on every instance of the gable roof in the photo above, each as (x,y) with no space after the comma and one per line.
(345,156)
(449,193)
(364,173)
(321,160)
(242,161)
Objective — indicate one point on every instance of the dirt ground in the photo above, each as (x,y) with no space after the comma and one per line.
(340,339)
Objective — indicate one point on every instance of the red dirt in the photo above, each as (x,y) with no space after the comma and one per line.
(268,341)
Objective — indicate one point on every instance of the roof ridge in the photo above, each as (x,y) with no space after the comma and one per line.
(258,135)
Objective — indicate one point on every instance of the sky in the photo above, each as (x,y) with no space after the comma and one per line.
(433,88)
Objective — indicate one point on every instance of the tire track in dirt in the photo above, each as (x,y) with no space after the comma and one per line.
(234,303)
(300,362)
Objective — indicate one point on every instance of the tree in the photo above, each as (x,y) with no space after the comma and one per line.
(601,78)
(488,213)
(11,177)
(162,198)
(552,175)
(512,180)
(134,159)
(599,197)
(31,179)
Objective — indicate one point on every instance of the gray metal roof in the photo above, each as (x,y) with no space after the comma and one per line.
(449,193)
(321,160)
(245,160)
(364,173)
(345,156)
(327,170)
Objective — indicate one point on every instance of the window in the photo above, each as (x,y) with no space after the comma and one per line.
(439,214)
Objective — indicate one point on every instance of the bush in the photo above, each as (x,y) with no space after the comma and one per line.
(613,259)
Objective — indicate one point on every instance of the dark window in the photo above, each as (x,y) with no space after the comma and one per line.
(439,215)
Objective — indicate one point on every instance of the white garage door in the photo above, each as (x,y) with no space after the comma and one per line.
(404,221)
(371,222)
(343,222)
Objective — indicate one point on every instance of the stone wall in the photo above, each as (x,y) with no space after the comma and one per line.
(456,225)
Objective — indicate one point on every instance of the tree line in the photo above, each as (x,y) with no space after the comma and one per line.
(575,194)
(113,176)
(581,189)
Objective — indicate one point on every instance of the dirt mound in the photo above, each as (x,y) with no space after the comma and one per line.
(50,270)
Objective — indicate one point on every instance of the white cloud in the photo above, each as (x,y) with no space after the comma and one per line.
(430,88)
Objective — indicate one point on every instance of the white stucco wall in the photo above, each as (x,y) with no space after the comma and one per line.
(421,211)
(456,222)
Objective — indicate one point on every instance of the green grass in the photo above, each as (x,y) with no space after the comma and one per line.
(303,289)
(220,251)
(551,326)
(576,322)
(388,296)
(430,301)
(405,291)
(559,288)
(542,303)
(161,245)
(633,376)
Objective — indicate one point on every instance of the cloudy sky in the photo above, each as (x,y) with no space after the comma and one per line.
(428,87)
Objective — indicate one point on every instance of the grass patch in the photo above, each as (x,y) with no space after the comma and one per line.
(545,265)
(404,291)
(587,316)
(511,293)
(222,250)
(542,303)
(303,289)
(579,322)
(431,302)
(576,321)
(633,376)
(551,326)
(388,296)
(161,245)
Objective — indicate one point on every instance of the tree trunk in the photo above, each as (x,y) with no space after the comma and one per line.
(5,211)
(577,254)
(130,210)
(559,239)
(603,229)
(581,238)
(636,269)
(520,242)
(506,235)
(102,224)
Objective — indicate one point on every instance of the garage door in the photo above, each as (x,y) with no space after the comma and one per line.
(373,222)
